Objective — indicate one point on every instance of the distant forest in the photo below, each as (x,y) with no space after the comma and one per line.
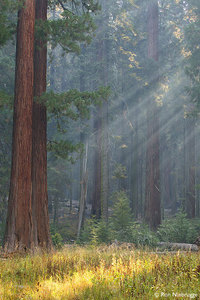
(104,143)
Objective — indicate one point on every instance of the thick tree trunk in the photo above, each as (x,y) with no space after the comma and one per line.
(39,155)
(152,205)
(19,233)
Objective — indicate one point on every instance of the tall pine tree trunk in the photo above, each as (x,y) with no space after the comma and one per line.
(152,205)
(19,233)
(39,155)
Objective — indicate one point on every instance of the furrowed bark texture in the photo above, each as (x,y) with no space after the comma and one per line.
(18,234)
(152,205)
(39,154)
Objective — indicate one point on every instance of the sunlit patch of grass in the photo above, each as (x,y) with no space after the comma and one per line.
(99,273)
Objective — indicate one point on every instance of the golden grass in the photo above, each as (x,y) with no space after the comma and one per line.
(100,273)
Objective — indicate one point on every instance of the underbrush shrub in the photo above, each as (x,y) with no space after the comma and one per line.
(56,237)
(120,219)
(141,235)
(120,227)
(100,233)
(121,216)
(86,232)
(124,229)
(179,229)
(95,232)
(66,230)
(57,240)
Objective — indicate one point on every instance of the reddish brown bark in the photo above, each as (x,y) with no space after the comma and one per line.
(39,155)
(18,233)
(152,203)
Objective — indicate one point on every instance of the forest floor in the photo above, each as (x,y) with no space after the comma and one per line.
(100,273)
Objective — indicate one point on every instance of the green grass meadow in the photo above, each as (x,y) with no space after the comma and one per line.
(100,273)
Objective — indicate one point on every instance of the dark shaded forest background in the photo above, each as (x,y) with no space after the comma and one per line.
(131,161)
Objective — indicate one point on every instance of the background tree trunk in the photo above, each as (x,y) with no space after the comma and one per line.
(152,205)
(190,167)
(96,200)
(84,184)
(105,164)
(19,233)
(105,125)
(134,165)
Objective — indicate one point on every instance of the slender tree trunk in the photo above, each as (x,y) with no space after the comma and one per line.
(71,191)
(197,146)
(19,234)
(105,124)
(152,205)
(52,74)
(134,165)
(141,184)
(105,165)
(84,184)
(190,165)
(84,156)
(123,151)
(55,212)
(96,201)
(101,182)
(132,172)
(39,157)
(97,192)
(141,169)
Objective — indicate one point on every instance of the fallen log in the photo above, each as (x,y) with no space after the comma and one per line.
(168,252)
(178,246)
